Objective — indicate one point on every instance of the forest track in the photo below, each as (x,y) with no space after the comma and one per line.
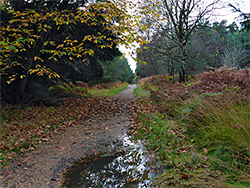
(44,166)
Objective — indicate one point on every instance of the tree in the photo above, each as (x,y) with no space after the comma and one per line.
(245,16)
(178,19)
(117,69)
(37,35)
(234,56)
(160,58)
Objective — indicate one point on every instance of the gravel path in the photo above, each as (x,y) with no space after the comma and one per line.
(44,166)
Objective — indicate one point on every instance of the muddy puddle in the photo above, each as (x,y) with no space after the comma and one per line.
(130,166)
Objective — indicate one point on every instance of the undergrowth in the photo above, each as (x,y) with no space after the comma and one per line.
(83,89)
(202,133)
(140,92)
(107,92)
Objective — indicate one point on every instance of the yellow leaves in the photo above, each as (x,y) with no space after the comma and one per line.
(89,52)
(140,61)
(52,43)
(49,42)
(23,49)
(60,46)
(11,79)
(29,27)
(138,50)
(22,76)
(87,37)
(45,43)
(36,57)
(41,71)
(103,46)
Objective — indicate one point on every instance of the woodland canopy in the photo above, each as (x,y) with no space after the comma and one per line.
(43,42)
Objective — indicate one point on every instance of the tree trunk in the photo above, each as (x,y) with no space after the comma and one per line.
(183,64)
(24,81)
(182,73)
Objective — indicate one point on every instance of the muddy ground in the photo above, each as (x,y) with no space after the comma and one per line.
(44,166)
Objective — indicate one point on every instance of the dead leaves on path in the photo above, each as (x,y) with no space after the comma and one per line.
(25,127)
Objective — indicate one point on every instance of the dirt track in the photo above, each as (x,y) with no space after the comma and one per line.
(44,166)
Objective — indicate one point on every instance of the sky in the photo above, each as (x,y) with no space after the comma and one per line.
(223,13)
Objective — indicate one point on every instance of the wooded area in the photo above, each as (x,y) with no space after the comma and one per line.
(186,45)
(43,42)
(62,73)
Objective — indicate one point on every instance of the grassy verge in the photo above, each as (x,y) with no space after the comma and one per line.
(113,90)
(202,133)
(100,90)
(140,92)
(185,166)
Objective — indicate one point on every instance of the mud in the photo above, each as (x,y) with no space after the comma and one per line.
(44,166)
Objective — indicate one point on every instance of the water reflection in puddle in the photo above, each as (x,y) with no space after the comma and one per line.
(134,167)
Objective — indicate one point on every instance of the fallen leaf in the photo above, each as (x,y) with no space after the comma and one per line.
(205,166)
(62,148)
(132,180)
(157,149)
(185,176)
(10,172)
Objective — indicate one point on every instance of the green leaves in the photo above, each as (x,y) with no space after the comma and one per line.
(11,47)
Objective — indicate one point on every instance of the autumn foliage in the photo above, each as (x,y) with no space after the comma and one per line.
(43,41)
(200,128)
(215,81)
(23,127)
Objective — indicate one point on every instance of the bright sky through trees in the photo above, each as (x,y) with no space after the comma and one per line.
(223,13)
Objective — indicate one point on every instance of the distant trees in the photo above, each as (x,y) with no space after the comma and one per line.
(177,21)
(184,16)
(210,45)
(117,69)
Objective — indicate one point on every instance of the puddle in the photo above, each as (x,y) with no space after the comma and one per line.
(133,167)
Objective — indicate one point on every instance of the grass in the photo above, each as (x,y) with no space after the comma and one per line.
(113,90)
(222,125)
(202,138)
(187,163)
(140,92)
(100,90)
(185,166)
(224,120)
